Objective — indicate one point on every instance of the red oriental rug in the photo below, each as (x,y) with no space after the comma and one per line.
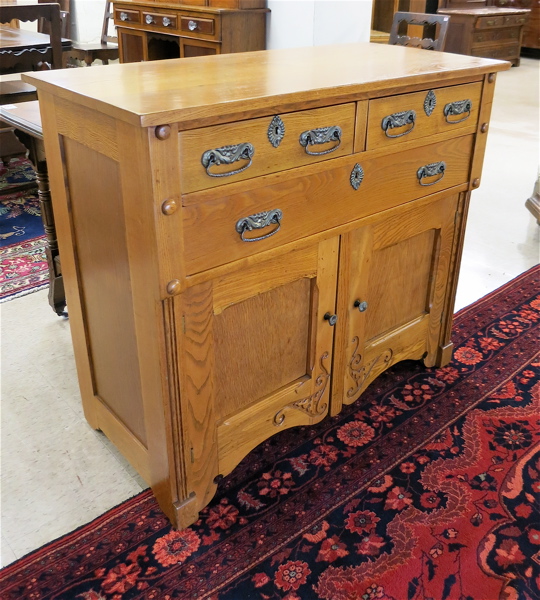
(427,488)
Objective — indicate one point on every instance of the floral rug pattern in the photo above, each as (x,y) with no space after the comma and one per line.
(23,265)
(427,488)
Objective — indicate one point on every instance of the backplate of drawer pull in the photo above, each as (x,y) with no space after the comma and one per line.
(276,131)
(259,221)
(322,135)
(457,108)
(436,168)
(399,119)
(227,155)
(357,176)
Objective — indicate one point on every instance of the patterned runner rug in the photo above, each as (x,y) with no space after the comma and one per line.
(428,487)
(23,265)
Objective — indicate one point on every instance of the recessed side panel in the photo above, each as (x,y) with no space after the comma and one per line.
(103,272)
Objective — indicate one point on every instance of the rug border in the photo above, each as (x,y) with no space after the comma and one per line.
(145,494)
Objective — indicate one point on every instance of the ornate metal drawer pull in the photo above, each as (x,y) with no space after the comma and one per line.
(149,19)
(192,25)
(228,155)
(437,168)
(321,136)
(124,16)
(259,221)
(458,108)
(166,22)
(400,119)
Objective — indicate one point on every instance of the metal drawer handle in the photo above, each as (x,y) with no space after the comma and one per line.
(437,168)
(192,25)
(228,155)
(457,108)
(400,119)
(149,19)
(259,221)
(166,22)
(322,135)
(124,16)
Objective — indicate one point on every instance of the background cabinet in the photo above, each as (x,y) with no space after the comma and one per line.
(149,30)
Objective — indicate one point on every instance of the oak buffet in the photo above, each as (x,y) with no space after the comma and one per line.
(240,259)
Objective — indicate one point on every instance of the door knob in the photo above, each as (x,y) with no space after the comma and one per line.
(332,319)
(361,306)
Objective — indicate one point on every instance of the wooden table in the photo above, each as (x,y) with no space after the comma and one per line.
(26,119)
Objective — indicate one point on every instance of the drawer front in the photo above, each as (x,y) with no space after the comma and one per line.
(282,212)
(488,22)
(221,154)
(496,35)
(499,52)
(515,20)
(126,15)
(165,21)
(421,114)
(196,26)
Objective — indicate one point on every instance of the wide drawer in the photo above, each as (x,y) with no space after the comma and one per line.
(501,52)
(496,35)
(222,154)
(421,114)
(236,225)
(126,15)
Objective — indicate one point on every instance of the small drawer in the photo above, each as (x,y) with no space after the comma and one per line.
(488,22)
(124,15)
(221,154)
(515,20)
(421,114)
(239,224)
(196,26)
(161,20)
(496,35)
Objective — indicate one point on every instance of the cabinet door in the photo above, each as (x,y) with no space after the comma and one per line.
(255,356)
(190,48)
(393,276)
(132,45)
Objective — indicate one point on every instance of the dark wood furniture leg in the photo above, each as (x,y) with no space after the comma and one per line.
(36,155)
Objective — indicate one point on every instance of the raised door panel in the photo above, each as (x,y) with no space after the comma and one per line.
(132,45)
(391,295)
(256,355)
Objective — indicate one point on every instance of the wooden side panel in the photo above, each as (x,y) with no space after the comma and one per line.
(103,267)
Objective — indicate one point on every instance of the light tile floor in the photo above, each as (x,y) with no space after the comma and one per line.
(57,473)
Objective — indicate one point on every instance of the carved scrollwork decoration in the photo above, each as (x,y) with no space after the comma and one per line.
(360,372)
(312,405)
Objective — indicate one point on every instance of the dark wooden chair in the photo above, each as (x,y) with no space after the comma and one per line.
(419,30)
(32,59)
(105,50)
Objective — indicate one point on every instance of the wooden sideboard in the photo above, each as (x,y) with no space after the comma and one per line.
(240,259)
(150,30)
(490,32)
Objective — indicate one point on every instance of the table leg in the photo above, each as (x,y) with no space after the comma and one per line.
(36,155)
